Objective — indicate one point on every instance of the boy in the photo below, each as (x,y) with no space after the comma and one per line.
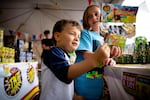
(59,70)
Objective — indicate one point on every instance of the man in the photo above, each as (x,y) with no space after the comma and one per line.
(46,45)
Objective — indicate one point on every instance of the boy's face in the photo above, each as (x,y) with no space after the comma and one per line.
(68,39)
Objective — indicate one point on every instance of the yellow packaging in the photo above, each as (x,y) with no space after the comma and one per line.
(2,52)
(1,37)
(116,40)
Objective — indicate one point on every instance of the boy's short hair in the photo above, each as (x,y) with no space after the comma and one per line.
(58,27)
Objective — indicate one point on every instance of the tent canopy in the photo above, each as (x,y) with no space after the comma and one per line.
(35,16)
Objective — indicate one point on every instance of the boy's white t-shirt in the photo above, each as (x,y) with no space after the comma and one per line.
(52,88)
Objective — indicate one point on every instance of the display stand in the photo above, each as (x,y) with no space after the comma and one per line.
(128,82)
(19,81)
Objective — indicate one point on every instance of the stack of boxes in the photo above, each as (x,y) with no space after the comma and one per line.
(24,54)
(19,54)
(7,54)
(1,37)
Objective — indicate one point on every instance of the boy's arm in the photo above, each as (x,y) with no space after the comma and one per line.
(91,62)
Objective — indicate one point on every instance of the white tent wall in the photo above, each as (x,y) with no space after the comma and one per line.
(34,18)
(143,19)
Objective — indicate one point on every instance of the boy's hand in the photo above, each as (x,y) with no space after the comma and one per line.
(109,61)
(115,51)
(102,53)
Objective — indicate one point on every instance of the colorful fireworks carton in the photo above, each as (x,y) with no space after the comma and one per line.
(115,40)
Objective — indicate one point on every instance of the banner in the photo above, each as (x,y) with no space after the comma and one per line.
(19,81)
(118,13)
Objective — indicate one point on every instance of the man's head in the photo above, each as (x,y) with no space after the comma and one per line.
(47,43)
(47,34)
